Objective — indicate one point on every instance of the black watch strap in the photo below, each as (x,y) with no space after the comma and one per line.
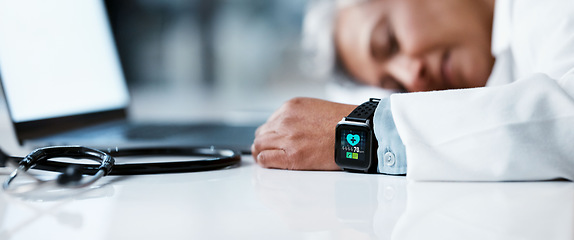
(364,111)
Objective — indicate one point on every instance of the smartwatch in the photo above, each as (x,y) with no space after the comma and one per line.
(355,142)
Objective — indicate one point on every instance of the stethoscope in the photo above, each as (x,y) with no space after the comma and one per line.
(72,175)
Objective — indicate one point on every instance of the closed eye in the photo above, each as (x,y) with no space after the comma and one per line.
(383,43)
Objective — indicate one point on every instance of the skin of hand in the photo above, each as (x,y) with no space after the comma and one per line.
(300,135)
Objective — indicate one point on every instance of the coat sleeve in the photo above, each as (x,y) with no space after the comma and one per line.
(516,132)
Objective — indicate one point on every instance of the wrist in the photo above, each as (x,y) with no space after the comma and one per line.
(355,142)
(367,140)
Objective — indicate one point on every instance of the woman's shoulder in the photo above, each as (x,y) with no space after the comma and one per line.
(542,36)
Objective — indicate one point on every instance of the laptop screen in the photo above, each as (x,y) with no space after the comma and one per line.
(58,59)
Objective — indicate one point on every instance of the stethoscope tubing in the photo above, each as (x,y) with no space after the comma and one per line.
(39,159)
(223,158)
(145,168)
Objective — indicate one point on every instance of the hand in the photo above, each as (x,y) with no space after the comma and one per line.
(300,135)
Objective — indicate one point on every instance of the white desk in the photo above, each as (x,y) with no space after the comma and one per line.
(248,202)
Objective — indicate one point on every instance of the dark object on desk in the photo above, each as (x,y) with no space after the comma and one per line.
(211,159)
(72,173)
(125,133)
(71,177)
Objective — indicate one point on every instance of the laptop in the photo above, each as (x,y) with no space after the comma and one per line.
(63,83)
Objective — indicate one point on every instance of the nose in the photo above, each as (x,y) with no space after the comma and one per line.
(409,71)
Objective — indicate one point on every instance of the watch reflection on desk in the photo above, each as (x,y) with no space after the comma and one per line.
(364,206)
(332,205)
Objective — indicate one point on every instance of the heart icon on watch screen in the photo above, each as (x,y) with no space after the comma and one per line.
(353,139)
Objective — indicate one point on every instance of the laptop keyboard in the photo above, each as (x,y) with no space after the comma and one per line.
(205,132)
(194,134)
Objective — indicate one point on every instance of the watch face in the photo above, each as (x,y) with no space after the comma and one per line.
(353,147)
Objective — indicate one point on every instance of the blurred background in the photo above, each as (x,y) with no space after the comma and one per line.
(237,59)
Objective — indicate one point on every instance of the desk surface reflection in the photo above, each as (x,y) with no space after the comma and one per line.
(249,202)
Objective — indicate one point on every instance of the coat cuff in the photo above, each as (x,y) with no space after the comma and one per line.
(391,154)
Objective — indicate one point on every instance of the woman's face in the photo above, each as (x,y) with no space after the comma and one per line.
(417,45)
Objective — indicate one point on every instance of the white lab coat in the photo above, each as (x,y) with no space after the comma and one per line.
(521,126)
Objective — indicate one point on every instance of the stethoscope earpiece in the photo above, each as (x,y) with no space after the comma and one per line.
(72,174)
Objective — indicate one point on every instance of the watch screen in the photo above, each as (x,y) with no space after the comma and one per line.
(352,144)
